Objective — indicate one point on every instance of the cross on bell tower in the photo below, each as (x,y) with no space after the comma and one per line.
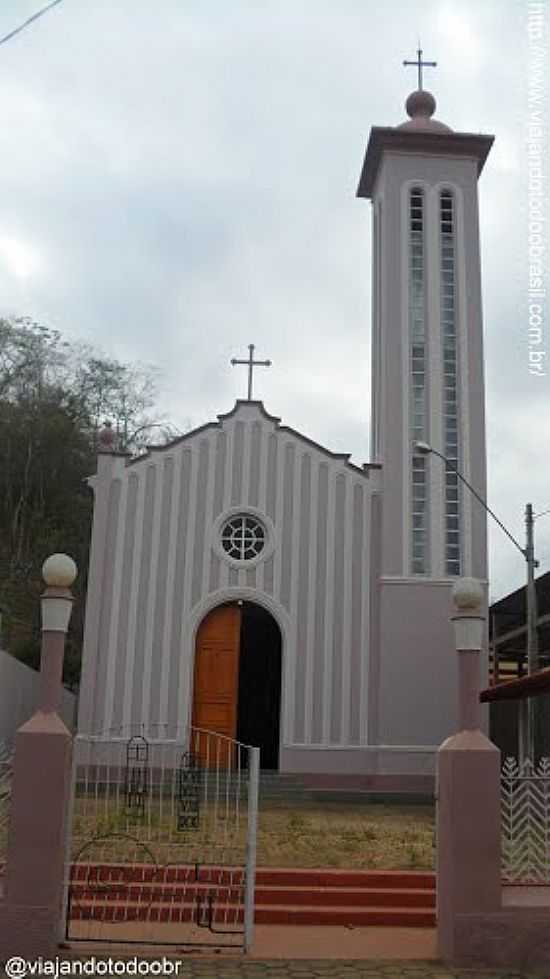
(251,364)
(420,64)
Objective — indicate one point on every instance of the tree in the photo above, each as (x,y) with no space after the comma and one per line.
(54,396)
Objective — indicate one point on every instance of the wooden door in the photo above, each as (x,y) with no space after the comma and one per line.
(216,683)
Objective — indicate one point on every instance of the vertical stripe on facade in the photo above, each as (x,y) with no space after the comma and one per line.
(136,715)
(157,649)
(147,709)
(320,606)
(310,651)
(111,650)
(177,666)
(169,609)
(220,462)
(287,524)
(356,652)
(107,608)
(338,620)
(302,605)
(237,464)
(133,614)
(200,522)
(120,650)
(328,638)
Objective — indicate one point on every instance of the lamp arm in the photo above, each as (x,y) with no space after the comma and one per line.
(480,500)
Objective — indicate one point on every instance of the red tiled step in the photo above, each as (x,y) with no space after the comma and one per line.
(151,873)
(297,896)
(396,917)
(273,915)
(290,877)
(265,876)
(118,892)
(173,913)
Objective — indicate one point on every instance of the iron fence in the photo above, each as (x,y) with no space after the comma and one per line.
(161,844)
(525,796)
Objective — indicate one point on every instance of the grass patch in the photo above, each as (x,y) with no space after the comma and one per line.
(367,836)
(346,835)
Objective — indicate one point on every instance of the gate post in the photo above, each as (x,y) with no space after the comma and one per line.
(468,796)
(252,829)
(35,864)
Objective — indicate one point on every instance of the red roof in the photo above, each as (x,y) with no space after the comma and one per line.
(527,686)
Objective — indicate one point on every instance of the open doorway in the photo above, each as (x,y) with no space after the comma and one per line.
(237,677)
(259,703)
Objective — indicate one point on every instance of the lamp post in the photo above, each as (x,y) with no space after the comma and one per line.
(526,707)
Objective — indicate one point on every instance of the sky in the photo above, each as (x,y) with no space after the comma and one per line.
(179,181)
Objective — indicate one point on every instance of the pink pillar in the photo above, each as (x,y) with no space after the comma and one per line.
(468,795)
(35,866)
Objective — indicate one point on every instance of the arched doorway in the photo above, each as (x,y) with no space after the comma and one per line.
(237,677)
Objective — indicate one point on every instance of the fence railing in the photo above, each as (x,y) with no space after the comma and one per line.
(162,843)
(6,767)
(525,796)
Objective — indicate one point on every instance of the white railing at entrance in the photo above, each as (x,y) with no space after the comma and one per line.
(162,843)
(525,811)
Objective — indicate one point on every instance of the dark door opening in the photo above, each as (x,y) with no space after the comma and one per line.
(259,703)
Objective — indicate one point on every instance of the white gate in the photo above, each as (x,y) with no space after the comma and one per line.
(162,843)
(525,795)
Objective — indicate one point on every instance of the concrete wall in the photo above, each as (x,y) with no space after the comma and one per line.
(19,687)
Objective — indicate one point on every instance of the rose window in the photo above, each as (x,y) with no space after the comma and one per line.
(243,537)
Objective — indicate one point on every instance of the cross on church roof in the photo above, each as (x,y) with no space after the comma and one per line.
(251,364)
(420,65)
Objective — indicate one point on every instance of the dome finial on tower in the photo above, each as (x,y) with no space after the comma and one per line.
(420,105)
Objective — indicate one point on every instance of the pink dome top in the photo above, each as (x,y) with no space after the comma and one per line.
(420,106)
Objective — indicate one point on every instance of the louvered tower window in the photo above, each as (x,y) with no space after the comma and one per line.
(450,381)
(418,365)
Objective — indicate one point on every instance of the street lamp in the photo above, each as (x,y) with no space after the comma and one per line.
(526,707)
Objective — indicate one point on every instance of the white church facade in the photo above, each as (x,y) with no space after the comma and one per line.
(246,580)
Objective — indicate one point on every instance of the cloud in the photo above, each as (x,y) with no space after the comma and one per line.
(184,176)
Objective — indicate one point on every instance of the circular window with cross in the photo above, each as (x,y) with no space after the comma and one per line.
(243,537)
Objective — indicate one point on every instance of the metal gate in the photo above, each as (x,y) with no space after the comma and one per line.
(162,842)
(525,799)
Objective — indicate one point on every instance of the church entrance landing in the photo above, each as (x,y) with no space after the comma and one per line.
(237,677)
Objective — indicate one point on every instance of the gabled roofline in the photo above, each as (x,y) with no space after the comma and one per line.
(343,457)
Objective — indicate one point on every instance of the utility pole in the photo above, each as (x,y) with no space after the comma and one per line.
(527,706)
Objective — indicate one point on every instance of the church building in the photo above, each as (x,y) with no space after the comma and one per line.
(248,581)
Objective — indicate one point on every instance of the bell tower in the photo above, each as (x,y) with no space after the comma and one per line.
(427,385)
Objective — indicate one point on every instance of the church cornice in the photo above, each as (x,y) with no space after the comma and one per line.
(258,407)
(390,139)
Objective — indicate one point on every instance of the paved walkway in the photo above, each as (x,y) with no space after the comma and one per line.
(231,968)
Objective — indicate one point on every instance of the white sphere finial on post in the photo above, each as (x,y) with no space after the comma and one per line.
(467,594)
(468,622)
(59,571)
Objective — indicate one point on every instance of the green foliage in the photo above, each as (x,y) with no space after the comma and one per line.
(54,397)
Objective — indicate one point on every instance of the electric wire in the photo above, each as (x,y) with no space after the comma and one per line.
(39,13)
